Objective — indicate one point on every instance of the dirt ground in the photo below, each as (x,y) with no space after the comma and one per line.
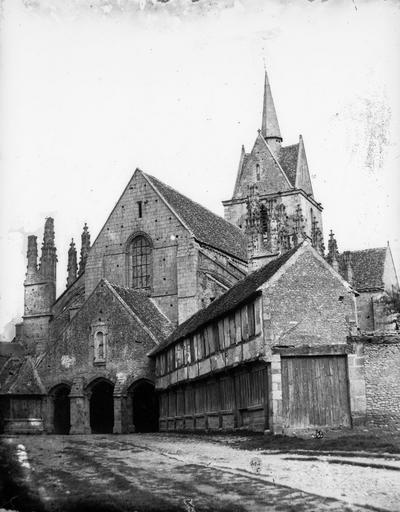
(165,472)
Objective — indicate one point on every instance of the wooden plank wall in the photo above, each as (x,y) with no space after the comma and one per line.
(236,399)
(315,392)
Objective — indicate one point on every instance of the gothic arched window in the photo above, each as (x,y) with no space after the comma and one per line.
(139,254)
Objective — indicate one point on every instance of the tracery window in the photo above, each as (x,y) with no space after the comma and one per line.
(140,262)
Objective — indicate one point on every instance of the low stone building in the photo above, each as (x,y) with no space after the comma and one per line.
(373,274)
(271,353)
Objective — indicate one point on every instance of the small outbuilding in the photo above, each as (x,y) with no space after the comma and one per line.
(270,354)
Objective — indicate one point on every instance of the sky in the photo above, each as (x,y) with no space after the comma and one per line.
(91,90)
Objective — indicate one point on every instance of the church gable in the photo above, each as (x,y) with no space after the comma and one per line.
(260,168)
(112,332)
(309,302)
(140,229)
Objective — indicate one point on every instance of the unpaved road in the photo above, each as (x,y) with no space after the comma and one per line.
(160,472)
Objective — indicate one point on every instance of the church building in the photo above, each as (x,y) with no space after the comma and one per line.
(176,319)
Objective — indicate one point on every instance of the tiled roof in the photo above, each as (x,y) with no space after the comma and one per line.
(146,310)
(368,266)
(19,377)
(231,299)
(207,227)
(8,349)
(288,160)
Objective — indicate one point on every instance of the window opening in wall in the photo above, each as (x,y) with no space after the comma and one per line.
(258,171)
(139,203)
(140,253)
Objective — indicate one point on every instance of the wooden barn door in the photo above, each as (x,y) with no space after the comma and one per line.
(315,392)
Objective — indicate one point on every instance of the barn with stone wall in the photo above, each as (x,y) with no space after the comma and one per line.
(270,354)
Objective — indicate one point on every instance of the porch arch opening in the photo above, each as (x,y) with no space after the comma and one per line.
(61,404)
(144,406)
(101,407)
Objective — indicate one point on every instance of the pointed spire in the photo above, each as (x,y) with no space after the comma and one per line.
(85,246)
(48,235)
(32,254)
(48,259)
(348,268)
(72,264)
(270,126)
(333,254)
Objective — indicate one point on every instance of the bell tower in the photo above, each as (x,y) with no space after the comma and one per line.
(273,199)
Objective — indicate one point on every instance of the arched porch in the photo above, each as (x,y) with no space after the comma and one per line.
(142,406)
(59,421)
(99,394)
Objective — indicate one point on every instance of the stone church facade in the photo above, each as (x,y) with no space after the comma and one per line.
(178,319)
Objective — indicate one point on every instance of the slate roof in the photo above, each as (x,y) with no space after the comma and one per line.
(288,156)
(230,300)
(19,377)
(144,307)
(207,227)
(10,349)
(368,267)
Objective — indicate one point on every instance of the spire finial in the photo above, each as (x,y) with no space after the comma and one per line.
(269,126)
(48,259)
(85,246)
(32,254)
(72,263)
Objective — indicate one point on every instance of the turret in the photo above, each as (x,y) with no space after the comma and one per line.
(333,254)
(48,259)
(32,256)
(40,290)
(85,246)
(72,264)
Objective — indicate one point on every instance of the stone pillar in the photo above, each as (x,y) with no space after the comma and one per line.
(129,414)
(120,419)
(357,392)
(275,395)
(79,408)
(48,414)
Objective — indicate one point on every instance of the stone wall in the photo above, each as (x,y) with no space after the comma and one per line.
(307,306)
(108,255)
(382,378)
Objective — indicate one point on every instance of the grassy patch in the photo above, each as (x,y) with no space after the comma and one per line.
(356,442)
(351,441)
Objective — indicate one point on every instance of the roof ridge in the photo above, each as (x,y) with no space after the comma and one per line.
(132,312)
(364,250)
